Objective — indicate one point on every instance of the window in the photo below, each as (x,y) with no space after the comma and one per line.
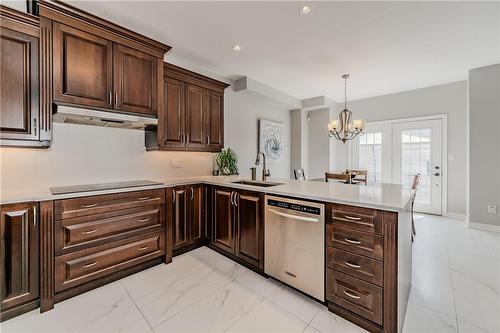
(416,159)
(370,155)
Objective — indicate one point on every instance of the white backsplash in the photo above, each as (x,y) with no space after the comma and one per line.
(89,154)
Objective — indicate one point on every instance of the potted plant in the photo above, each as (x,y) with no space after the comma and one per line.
(227,162)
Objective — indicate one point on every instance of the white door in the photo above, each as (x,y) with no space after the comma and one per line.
(372,152)
(417,149)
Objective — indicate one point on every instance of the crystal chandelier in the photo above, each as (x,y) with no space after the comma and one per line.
(348,129)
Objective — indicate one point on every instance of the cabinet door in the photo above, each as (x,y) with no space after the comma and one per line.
(180,218)
(19,86)
(250,227)
(83,65)
(135,80)
(195,214)
(223,212)
(196,109)
(174,114)
(19,262)
(215,123)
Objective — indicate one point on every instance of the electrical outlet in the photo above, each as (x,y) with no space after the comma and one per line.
(176,164)
(492,209)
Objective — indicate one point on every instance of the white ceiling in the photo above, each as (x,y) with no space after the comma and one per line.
(385,46)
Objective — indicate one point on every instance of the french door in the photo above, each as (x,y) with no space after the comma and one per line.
(394,152)
(417,150)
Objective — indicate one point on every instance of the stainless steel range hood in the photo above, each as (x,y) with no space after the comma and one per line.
(73,115)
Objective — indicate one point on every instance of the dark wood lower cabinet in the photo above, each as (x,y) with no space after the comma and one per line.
(187,217)
(238,224)
(19,259)
(249,245)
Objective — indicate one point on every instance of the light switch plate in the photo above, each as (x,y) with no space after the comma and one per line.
(176,164)
(492,209)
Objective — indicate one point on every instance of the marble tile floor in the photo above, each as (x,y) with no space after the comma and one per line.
(456,288)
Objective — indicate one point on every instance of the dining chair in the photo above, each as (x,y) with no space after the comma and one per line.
(337,176)
(299,174)
(361,175)
(414,186)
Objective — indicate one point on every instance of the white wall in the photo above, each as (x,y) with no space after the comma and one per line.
(318,143)
(16,4)
(243,109)
(90,154)
(450,99)
(484,144)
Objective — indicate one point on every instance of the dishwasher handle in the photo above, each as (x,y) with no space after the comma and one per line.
(293,216)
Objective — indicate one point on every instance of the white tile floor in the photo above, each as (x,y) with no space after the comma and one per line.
(456,288)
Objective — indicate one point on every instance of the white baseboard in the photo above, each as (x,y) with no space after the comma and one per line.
(484,226)
(457,216)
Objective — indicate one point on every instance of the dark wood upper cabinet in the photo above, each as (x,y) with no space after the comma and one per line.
(83,67)
(250,227)
(193,116)
(215,123)
(98,64)
(21,121)
(222,219)
(19,262)
(196,109)
(173,122)
(135,80)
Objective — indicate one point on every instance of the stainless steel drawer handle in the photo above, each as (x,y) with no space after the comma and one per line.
(354,218)
(143,248)
(144,220)
(89,232)
(89,205)
(90,265)
(352,241)
(350,264)
(143,198)
(351,295)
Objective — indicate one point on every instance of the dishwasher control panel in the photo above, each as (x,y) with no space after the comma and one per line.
(295,207)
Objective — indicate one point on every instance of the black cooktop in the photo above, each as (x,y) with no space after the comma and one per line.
(101,187)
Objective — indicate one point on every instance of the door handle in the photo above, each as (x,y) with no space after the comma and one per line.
(116,98)
(294,217)
(192,193)
(208,139)
(34,215)
(110,98)
(352,241)
(236,199)
(351,295)
(231,198)
(173,196)
(187,139)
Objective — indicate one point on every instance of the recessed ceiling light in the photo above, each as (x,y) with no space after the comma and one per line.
(304,9)
(236,47)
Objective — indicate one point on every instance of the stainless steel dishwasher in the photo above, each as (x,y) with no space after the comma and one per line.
(295,244)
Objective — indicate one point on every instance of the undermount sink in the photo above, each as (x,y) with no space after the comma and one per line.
(256,183)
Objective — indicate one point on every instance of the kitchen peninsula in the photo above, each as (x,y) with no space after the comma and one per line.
(88,239)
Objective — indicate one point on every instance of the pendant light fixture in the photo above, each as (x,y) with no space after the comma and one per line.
(344,129)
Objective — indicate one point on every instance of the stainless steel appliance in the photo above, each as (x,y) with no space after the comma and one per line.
(75,115)
(295,244)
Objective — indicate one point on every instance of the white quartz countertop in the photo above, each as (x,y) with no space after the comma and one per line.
(390,197)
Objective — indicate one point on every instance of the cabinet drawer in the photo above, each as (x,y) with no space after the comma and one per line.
(355,295)
(83,266)
(85,231)
(70,208)
(359,218)
(369,270)
(354,241)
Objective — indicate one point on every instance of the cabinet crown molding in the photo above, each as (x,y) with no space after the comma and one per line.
(7,13)
(186,75)
(62,12)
